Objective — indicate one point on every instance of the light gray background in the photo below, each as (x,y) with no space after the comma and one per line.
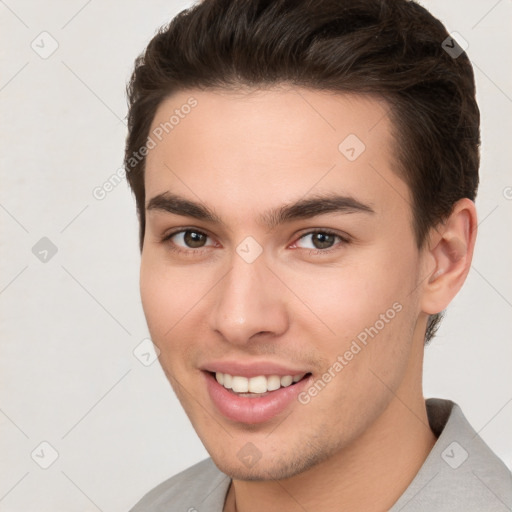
(69,326)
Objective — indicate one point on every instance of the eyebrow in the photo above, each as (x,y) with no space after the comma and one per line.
(302,209)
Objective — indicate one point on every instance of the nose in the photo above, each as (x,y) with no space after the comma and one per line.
(250,301)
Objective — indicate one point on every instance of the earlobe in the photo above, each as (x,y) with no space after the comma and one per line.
(451,251)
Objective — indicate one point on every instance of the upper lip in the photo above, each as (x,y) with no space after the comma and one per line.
(252,369)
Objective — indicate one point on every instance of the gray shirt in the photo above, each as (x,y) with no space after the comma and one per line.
(461,473)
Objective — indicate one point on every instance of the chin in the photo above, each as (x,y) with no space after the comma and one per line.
(270,468)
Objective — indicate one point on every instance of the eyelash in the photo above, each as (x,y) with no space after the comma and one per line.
(196,252)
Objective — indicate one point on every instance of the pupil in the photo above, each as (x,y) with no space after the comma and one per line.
(321,238)
(193,239)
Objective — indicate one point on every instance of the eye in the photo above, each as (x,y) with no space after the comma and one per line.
(322,240)
(192,241)
(186,240)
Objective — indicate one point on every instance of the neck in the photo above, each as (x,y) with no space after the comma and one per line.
(369,475)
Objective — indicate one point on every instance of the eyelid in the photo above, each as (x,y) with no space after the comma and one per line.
(345,239)
(311,231)
(167,236)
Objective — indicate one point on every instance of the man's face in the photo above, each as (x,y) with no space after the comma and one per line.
(329,295)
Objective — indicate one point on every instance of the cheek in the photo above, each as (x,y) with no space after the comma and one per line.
(165,299)
(345,300)
(171,298)
(155,297)
(367,356)
(374,311)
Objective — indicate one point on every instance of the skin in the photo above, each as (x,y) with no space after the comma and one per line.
(358,444)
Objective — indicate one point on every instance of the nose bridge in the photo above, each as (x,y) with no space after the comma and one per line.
(245,305)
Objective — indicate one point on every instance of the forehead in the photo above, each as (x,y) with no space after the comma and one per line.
(253,147)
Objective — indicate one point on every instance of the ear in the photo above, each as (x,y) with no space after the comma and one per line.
(448,256)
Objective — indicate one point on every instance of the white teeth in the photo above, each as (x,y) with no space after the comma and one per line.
(240,384)
(273,382)
(257,385)
(227,380)
(286,380)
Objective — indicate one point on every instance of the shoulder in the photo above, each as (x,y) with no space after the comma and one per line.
(200,487)
(461,473)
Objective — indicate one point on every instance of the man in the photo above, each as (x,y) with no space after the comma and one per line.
(305,175)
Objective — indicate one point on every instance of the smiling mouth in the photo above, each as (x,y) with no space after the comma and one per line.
(255,387)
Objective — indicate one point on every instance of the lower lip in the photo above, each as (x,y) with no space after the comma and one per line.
(252,410)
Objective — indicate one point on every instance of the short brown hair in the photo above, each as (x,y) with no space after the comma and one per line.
(394,49)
